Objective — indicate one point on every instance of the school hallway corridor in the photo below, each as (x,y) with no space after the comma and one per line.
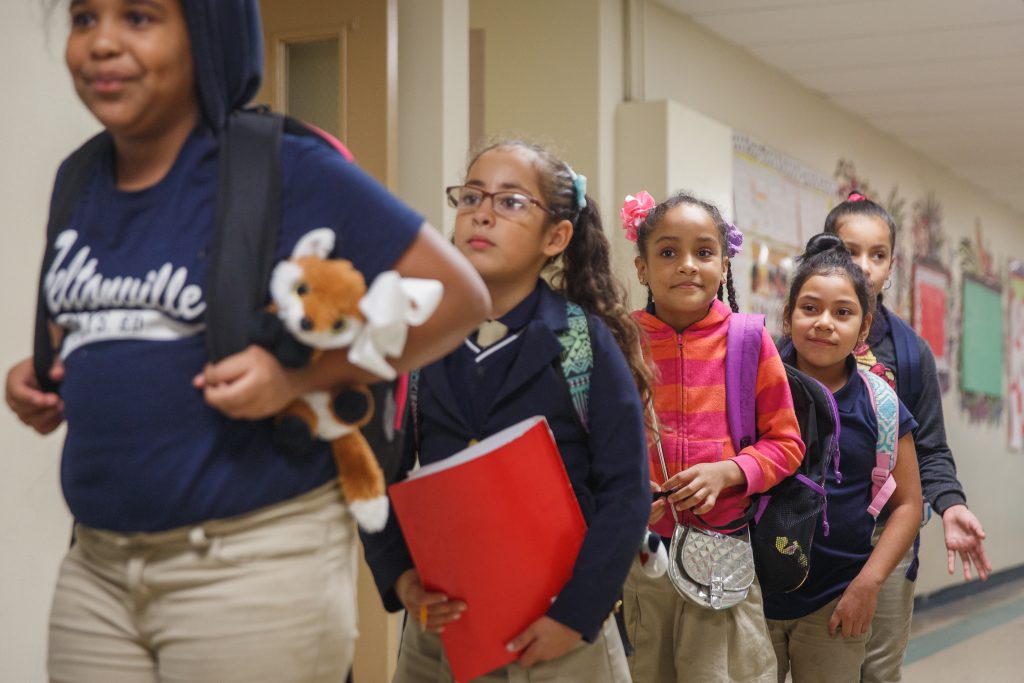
(978,638)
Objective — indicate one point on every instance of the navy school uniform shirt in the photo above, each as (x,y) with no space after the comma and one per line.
(469,395)
(144,452)
(837,558)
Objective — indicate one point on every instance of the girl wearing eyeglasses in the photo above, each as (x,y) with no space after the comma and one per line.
(521,211)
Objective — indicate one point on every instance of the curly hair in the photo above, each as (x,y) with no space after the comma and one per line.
(583,273)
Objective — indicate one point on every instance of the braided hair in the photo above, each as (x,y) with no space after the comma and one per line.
(643,232)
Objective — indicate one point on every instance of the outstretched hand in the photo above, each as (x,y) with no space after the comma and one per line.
(965,537)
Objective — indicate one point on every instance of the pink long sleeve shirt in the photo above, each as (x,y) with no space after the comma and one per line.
(689,398)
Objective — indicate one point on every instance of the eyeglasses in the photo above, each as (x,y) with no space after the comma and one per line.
(467,199)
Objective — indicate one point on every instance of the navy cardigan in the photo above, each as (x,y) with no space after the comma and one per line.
(607,466)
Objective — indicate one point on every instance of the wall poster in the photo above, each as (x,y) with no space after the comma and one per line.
(931,301)
(1015,355)
(777,197)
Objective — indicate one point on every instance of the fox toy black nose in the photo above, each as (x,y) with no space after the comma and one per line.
(306,324)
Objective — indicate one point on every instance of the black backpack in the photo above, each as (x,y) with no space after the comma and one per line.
(784,519)
(248,217)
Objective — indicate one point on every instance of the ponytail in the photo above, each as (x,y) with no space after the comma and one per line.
(585,277)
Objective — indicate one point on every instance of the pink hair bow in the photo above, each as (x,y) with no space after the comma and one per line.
(634,211)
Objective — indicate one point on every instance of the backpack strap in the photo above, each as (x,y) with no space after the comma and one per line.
(248,220)
(74,178)
(577,360)
(742,357)
(886,407)
(413,394)
(908,358)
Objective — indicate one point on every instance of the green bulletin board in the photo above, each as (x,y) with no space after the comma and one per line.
(981,346)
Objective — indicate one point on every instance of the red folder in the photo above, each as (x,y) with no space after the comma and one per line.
(496,525)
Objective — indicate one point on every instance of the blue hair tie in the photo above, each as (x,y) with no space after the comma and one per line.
(580,183)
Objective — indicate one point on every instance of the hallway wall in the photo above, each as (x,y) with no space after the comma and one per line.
(42,123)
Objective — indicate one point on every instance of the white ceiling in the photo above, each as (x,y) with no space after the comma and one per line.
(946,77)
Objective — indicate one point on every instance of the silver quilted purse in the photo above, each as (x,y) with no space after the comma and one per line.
(711,569)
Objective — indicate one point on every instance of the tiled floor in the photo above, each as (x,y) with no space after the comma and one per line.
(979,639)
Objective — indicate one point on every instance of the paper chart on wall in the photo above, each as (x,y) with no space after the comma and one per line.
(1015,356)
(777,197)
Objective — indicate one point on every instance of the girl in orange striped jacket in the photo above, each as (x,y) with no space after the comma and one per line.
(683,251)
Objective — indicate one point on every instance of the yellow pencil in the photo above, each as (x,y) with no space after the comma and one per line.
(423,617)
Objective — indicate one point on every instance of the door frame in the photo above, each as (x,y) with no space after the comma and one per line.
(279,42)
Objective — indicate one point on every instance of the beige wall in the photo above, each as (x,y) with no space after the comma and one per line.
(41,124)
(542,75)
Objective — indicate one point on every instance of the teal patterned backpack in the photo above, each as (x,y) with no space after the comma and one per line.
(883,400)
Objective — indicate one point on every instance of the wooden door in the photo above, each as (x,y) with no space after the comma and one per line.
(335,63)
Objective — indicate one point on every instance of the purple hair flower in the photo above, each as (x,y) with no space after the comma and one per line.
(735,240)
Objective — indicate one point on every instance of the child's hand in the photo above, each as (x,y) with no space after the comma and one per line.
(855,610)
(658,507)
(41,410)
(542,641)
(699,486)
(436,607)
(964,536)
(249,385)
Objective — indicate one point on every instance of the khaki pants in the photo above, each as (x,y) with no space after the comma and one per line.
(421,659)
(268,596)
(890,627)
(678,640)
(804,647)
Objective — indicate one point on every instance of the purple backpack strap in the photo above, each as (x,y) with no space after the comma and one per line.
(742,357)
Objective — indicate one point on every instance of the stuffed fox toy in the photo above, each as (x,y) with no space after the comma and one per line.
(324,304)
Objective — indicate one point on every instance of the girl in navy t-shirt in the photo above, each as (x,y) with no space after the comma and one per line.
(202,553)
(828,313)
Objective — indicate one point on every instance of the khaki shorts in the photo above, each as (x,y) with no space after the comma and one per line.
(267,596)
(890,627)
(421,660)
(804,648)
(678,640)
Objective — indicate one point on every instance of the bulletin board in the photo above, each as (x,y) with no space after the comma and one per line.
(981,346)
